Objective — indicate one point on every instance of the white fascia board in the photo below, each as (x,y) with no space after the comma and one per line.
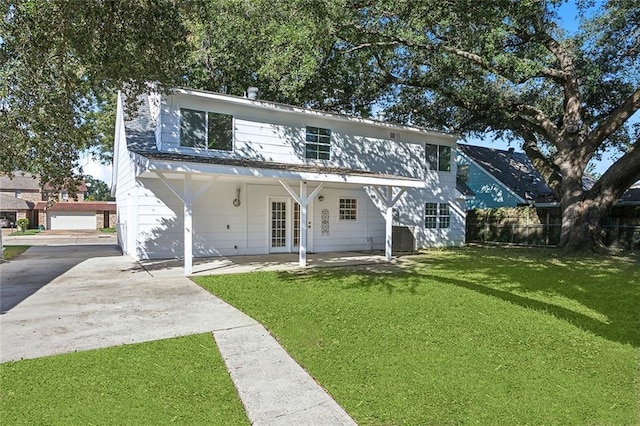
(119,129)
(150,165)
(495,179)
(274,106)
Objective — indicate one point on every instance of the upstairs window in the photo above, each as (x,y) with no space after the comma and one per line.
(437,215)
(438,157)
(318,146)
(348,209)
(206,130)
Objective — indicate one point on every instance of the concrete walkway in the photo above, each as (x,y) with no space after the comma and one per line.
(67,298)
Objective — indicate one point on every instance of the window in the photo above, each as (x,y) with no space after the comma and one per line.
(431,215)
(18,193)
(206,130)
(438,157)
(348,209)
(318,145)
(64,196)
(437,215)
(463,172)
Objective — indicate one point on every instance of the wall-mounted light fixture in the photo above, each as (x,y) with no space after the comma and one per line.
(236,201)
(321,198)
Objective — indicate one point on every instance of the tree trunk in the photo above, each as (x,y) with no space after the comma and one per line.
(582,226)
(583,213)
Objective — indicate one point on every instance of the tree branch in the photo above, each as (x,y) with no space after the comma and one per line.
(614,121)
(549,130)
(372,44)
(619,177)
(546,168)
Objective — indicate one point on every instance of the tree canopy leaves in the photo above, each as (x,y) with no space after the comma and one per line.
(61,61)
(503,66)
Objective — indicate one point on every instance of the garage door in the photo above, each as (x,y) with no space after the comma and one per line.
(72,220)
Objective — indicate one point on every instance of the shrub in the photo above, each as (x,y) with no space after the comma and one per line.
(23,224)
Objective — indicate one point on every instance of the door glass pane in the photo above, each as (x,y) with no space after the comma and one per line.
(296,225)
(278,224)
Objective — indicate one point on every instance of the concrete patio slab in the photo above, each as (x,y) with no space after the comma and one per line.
(270,262)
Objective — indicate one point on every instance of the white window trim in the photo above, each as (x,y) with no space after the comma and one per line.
(194,150)
(357,219)
(437,169)
(331,144)
(438,216)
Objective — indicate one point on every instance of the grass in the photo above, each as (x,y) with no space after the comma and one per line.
(25,232)
(181,381)
(108,230)
(474,335)
(11,252)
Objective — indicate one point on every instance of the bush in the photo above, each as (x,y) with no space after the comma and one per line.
(23,224)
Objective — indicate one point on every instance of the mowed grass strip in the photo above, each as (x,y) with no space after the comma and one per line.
(11,252)
(474,335)
(179,381)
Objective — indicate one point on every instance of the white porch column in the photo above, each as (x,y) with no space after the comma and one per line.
(389,224)
(302,258)
(188,226)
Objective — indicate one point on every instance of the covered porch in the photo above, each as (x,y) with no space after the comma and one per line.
(189,181)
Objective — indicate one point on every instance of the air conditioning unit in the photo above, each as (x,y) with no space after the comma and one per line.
(394,136)
(403,240)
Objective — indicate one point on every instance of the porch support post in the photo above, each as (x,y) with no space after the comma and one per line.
(389,224)
(188,226)
(303,225)
(388,201)
(304,201)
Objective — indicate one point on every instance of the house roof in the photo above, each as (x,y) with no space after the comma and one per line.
(141,140)
(78,206)
(27,182)
(23,182)
(513,169)
(9,202)
(463,188)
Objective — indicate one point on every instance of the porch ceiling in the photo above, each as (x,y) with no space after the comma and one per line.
(202,168)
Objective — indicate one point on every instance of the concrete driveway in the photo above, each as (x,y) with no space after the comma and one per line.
(63,298)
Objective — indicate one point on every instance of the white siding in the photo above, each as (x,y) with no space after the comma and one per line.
(151,215)
(279,136)
(125,189)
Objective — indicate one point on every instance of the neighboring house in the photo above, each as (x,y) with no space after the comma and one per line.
(22,196)
(206,174)
(500,178)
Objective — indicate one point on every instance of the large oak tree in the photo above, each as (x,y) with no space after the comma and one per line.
(499,66)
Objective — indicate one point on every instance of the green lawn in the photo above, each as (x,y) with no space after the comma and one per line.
(474,335)
(25,232)
(175,381)
(11,252)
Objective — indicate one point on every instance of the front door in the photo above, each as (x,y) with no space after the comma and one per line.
(279,229)
(284,229)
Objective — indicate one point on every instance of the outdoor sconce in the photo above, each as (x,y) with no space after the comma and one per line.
(236,201)
(321,198)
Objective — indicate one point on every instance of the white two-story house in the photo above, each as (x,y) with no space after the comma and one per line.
(201,174)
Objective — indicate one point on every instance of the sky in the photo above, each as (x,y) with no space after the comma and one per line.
(568,17)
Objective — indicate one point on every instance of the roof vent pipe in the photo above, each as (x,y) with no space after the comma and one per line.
(252,93)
